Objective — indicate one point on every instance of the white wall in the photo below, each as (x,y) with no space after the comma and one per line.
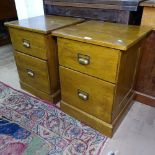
(29,8)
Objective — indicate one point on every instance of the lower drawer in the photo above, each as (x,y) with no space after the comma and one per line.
(33,71)
(54,98)
(87,93)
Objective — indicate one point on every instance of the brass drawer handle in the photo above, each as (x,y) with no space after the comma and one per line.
(26,43)
(83,95)
(30,73)
(83,59)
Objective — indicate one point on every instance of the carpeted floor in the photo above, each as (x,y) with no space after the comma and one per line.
(64,134)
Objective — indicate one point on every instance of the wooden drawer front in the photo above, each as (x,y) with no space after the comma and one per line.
(87,93)
(94,60)
(33,72)
(29,42)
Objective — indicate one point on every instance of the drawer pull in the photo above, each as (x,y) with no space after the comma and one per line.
(30,73)
(83,59)
(83,95)
(26,43)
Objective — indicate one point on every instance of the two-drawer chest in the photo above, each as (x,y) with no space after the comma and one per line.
(98,62)
(36,54)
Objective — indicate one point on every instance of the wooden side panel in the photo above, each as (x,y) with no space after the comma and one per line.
(126,78)
(148,18)
(53,65)
(33,72)
(146,72)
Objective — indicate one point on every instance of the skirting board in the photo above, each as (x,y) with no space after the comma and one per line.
(53,98)
(145,99)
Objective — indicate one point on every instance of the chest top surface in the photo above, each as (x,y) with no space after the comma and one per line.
(43,24)
(118,36)
(148,3)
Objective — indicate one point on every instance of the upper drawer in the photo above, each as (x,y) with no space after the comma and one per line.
(33,72)
(29,42)
(94,60)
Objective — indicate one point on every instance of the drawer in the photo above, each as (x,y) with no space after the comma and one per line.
(93,60)
(33,72)
(29,42)
(87,93)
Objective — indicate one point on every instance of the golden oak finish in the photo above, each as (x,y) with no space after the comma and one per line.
(97,71)
(36,42)
(44,24)
(100,93)
(118,36)
(36,54)
(100,63)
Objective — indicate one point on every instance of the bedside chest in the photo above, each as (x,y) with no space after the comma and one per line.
(98,62)
(36,54)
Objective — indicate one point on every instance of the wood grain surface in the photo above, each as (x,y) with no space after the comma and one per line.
(112,35)
(37,42)
(43,24)
(40,79)
(103,62)
(101,93)
(149,12)
(85,93)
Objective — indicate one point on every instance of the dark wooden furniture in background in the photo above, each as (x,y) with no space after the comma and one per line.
(119,11)
(146,75)
(7,12)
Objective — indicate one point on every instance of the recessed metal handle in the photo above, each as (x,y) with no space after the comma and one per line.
(83,59)
(30,73)
(26,43)
(83,95)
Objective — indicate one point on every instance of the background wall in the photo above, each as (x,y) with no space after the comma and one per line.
(29,8)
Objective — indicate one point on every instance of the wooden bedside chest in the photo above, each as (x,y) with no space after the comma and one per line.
(98,62)
(36,54)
